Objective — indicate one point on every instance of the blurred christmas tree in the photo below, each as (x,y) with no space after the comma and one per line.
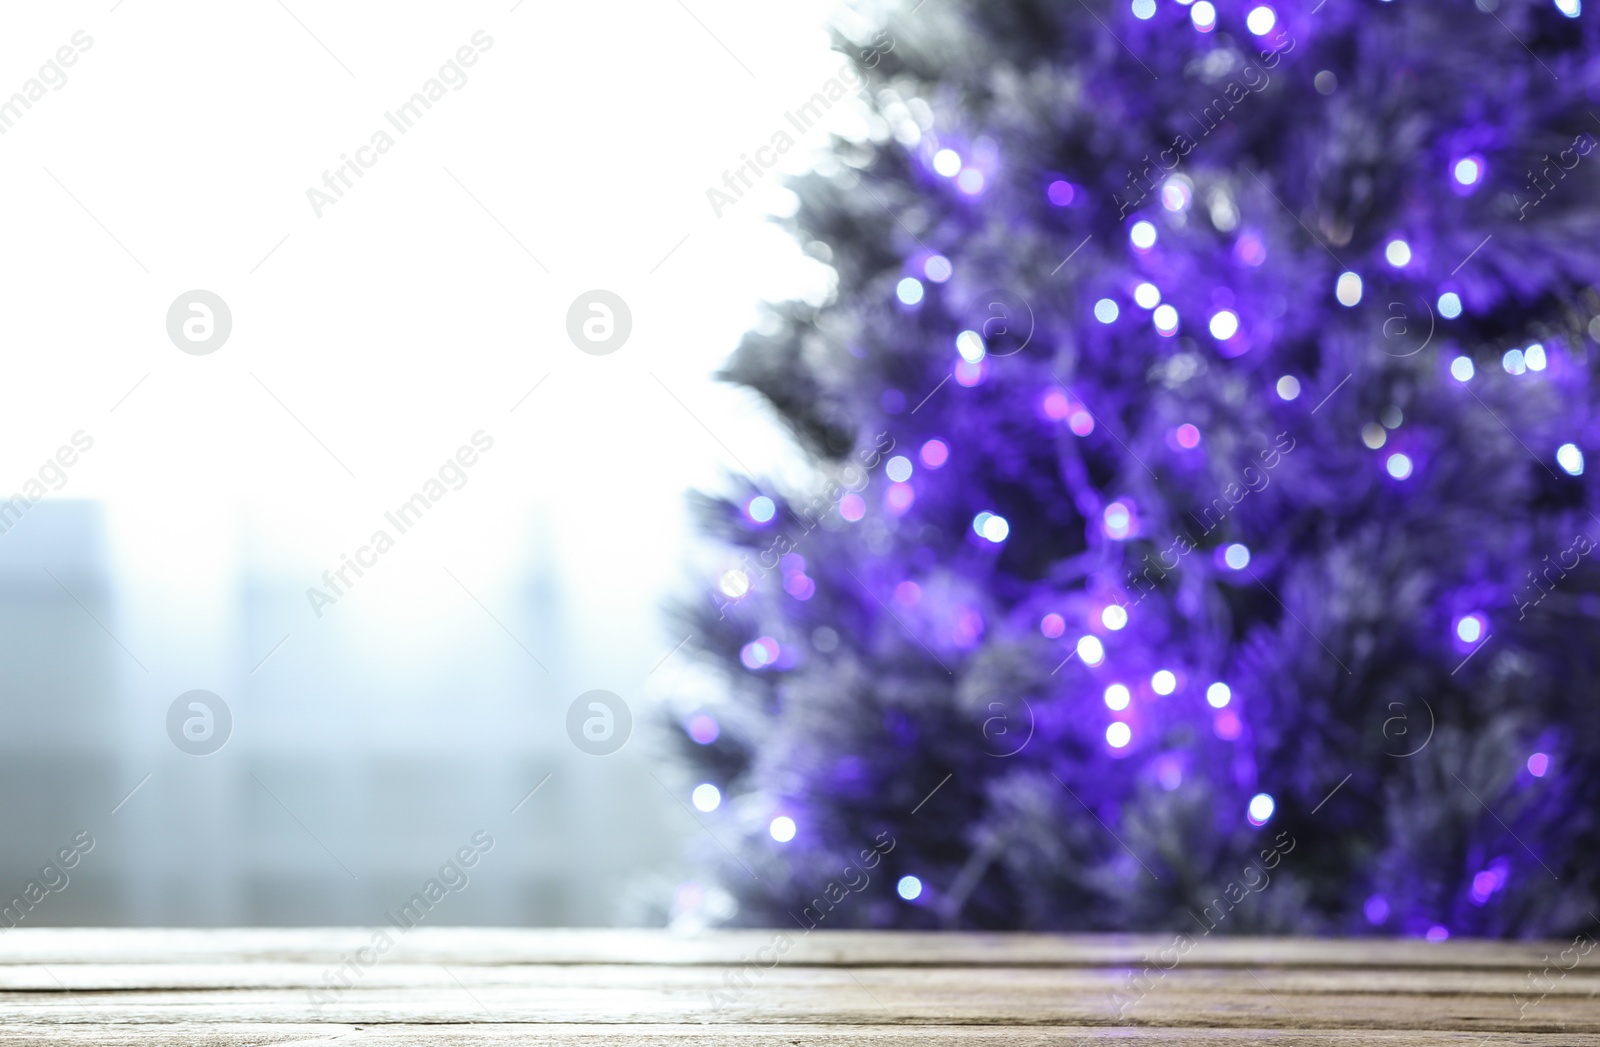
(1202,538)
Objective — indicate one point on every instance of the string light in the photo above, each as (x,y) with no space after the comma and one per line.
(704,729)
(706,797)
(1119,734)
(1218,695)
(909,887)
(1261,807)
(782,828)
(1117,697)
(1347,289)
(1164,682)
(1261,20)
(909,290)
(1449,305)
(1570,458)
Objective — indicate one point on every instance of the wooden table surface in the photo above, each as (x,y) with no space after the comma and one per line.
(758,988)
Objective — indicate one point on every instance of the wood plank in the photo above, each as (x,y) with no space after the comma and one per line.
(238,1034)
(457,985)
(471,945)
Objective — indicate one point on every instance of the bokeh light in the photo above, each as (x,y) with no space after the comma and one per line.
(1570,458)
(1470,628)
(1261,807)
(1118,521)
(1224,325)
(706,797)
(991,527)
(970,345)
(782,828)
(1218,695)
(704,729)
(1348,289)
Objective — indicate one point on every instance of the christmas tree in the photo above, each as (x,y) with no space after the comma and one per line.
(1201,539)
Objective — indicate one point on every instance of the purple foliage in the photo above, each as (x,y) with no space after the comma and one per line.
(1258,479)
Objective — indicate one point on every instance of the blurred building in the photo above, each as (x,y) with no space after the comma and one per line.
(357,763)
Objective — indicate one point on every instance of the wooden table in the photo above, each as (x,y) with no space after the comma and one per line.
(595,987)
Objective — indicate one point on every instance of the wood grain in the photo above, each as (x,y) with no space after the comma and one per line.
(471,986)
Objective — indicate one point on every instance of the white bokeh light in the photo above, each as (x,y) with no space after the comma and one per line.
(706,797)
